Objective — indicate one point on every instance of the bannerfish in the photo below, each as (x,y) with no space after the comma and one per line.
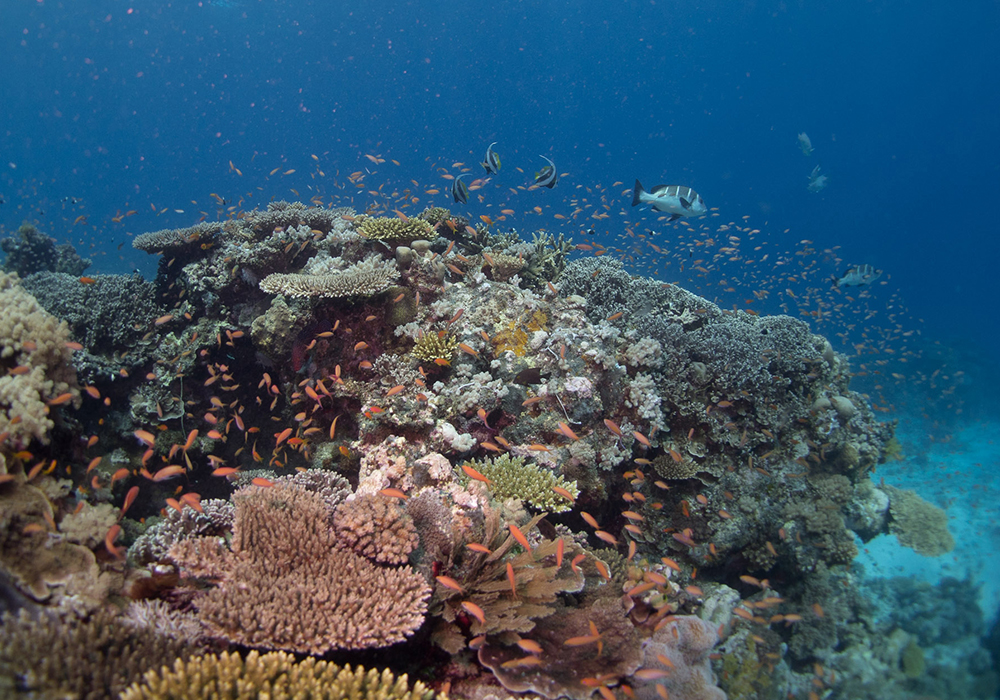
(492,162)
(676,200)
(817,182)
(858,276)
(547,176)
(459,190)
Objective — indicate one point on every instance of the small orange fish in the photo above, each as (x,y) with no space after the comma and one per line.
(613,427)
(468,350)
(560,550)
(60,400)
(145,437)
(168,472)
(473,474)
(109,542)
(393,493)
(449,582)
(590,519)
(87,280)
(475,611)
(480,548)
(262,482)
(394,390)
(559,490)
(530,646)
(641,438)
(568,432)
(442,362)
(224,471)
(512,579)
(516,533)
(166,318)
(129,500)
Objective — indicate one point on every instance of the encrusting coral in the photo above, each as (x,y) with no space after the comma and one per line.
(919,525)
(286,583)
(276,675)
(35,366)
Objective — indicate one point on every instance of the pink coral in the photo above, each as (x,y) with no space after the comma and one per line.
(287,584)
(685,642)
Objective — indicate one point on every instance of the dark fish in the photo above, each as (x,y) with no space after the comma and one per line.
(547,176)
(492,162)
(858,276)
(459,190)
(676,200)
(531,375)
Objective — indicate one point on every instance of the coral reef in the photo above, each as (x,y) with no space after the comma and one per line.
(273,675)
(363,280)
(376,528)
(32,251)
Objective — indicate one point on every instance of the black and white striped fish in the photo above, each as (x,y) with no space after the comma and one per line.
(858,276)
(459,190)
(547,176)
(676,200)
(492,162)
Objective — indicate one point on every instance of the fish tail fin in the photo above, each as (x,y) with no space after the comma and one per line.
(636,194)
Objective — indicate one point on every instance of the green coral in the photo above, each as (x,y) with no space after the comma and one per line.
(434,215)
(917,524)
(893,450)
(548,260)
(434,346)
(395,231)
(512,477)
(912,660)
(272,675)
(743,676)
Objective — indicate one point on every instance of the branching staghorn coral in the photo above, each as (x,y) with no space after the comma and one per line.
(90,658)
(395,231)
(512,477)
(273,675)
(376,528)
(286,583)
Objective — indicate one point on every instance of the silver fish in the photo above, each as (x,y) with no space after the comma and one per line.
(459,190)
(858,276)
(547,176)
(676,200)
(492,162)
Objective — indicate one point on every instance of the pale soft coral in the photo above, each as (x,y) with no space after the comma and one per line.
(35,363)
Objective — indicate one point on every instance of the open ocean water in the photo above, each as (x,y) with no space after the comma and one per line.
(821,136)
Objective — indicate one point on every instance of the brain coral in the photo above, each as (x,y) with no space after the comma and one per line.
(273,675)
(286,584)
(35,365)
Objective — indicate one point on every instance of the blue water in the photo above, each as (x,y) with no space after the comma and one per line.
(150,107)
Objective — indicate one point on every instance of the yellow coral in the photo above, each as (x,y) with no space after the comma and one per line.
(273,675)
(395,231)
(433,346)
(516,335)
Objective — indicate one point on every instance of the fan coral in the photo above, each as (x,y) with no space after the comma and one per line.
(272,675)
(395,231)
(286,584)
(512,477)
(35,365)
(364,279)
(376,528)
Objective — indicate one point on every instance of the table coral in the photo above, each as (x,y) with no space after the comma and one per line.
(287,584)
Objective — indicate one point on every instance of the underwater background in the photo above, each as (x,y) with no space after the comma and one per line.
(125,118)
